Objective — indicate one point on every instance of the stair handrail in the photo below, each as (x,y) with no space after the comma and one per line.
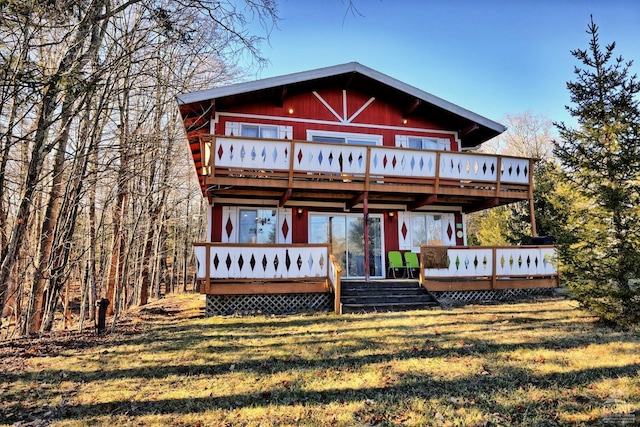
(335,272)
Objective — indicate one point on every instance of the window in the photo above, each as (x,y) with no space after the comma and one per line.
(426,229)
(259,131)
(257,226)
(429,143)
(343,138)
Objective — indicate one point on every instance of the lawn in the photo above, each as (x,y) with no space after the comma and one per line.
(535,363)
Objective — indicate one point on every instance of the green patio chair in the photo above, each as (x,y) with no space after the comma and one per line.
(395,263)
(411,263)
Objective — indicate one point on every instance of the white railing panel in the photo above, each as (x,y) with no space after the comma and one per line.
(222,263)
(517,261)
(465,262)
(406,163)
(515,170)
(310,261)
(471,167)
(549,261)
(201,258)
(330,158)
(354,159)
(523,261)
(263,262)
(255,154)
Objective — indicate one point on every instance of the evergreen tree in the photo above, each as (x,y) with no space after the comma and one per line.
(601,159)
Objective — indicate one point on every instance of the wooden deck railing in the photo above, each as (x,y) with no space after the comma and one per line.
(483,268)
(335,272)
(303,160)
(227,268)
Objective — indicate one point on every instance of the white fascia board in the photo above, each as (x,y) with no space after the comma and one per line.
(267,83)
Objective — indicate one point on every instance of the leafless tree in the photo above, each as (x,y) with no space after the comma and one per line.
(88,138)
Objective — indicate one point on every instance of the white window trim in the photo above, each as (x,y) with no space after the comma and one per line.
(235,128)
(444,144)
(448,218)
(375,139)
(306,122)
(232,213)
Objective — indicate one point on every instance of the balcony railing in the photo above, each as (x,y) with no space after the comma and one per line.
(237,268)
(303,160)
(482,268)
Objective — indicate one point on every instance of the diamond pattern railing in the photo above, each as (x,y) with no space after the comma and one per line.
(497,263)
(357,162)
(261,262)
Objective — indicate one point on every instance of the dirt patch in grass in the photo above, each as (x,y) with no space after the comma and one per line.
(537,363)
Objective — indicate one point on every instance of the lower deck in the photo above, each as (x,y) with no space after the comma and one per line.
(363,297)
(236,269)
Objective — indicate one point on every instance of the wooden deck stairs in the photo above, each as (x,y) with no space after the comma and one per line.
(385,295)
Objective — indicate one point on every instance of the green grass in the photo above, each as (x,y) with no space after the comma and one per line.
(538,363)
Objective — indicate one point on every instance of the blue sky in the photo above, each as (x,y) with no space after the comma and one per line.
(491,57)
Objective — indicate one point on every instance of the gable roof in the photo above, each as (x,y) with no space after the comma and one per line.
(473,128)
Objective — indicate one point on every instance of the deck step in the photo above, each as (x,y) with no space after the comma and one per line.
(385,295)
(373,308)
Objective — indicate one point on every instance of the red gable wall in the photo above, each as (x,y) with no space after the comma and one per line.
(308,110)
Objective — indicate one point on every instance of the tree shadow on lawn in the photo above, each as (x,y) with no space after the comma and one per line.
(279,326)
(426,347)
(484,390)
(336,344)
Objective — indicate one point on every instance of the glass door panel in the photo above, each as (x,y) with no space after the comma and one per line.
(346,235)
(355,247)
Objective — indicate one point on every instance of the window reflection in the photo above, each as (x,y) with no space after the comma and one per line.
(257,226)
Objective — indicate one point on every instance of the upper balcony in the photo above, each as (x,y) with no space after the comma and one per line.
(238,167)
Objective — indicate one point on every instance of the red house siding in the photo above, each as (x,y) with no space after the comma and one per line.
(458,221)
(216,224)
(391,241)
(307,106)
(299,232)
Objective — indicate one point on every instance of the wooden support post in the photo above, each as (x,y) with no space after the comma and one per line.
(337,287)
(494,277)
(365,211)
(291,162)
(207,269)
(532,213)
(436,189)
(498,175)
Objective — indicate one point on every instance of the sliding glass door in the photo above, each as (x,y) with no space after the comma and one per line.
(345,233)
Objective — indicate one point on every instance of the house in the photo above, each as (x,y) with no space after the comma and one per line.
(313,179)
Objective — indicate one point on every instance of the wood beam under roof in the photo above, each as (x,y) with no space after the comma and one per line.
(412,107)
(471,128)
(283,95)
(358,199)
(285,197)
(486,204)
(429,200)
(350,80)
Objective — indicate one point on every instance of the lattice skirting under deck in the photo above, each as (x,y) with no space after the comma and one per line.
(268,304)
(448,297)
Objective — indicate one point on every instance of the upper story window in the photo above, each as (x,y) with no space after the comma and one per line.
(258,131)
(343,138)
(424,143)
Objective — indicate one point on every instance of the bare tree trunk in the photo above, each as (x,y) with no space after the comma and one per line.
(69,67)
(36,302)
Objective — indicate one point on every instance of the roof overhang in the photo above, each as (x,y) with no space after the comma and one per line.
(473,128)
